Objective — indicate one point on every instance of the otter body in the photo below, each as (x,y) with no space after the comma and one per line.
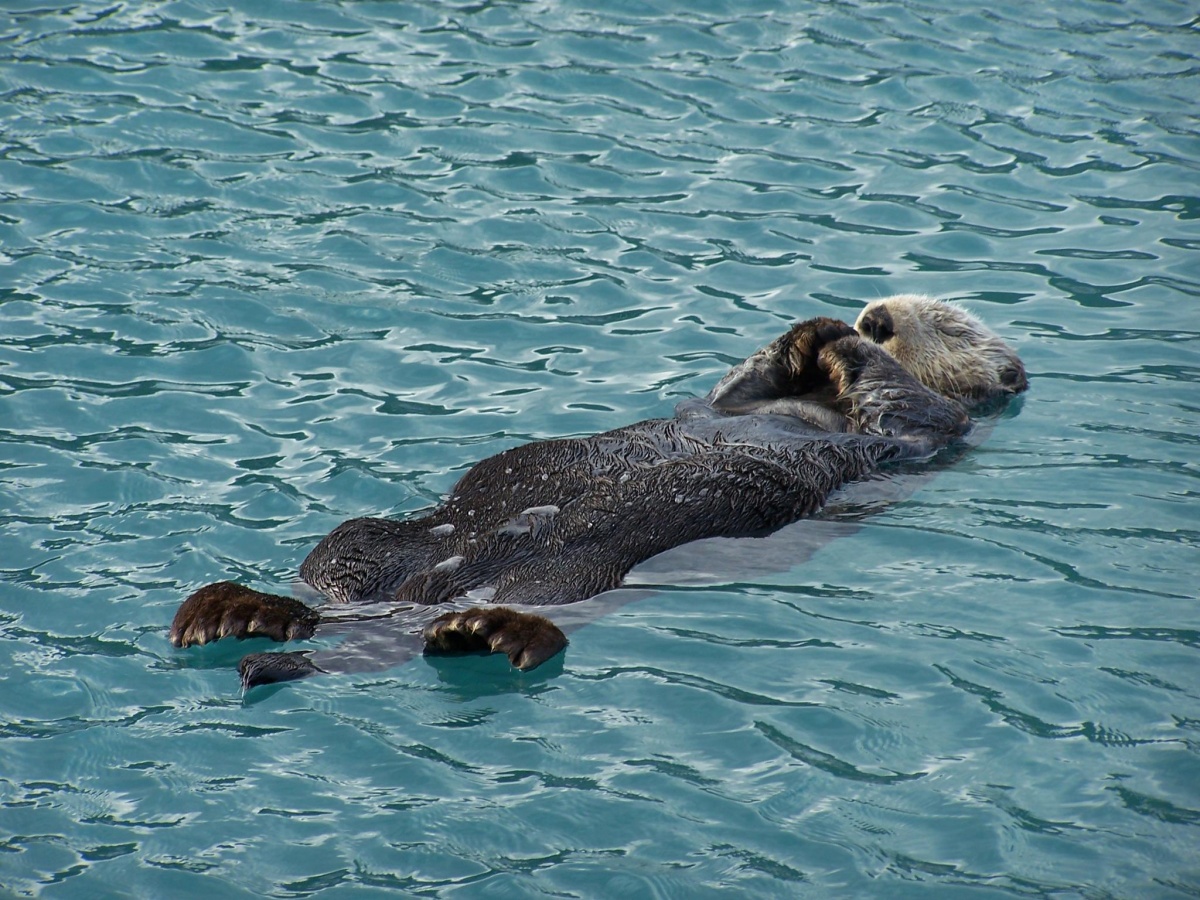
(559,521)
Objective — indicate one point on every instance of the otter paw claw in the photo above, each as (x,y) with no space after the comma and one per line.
(528,640)
(226,609)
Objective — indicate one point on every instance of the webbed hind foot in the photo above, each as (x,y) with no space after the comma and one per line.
(271,668)
(227,609)
(528,640)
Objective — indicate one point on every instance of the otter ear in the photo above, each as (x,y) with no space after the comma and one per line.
(876,323)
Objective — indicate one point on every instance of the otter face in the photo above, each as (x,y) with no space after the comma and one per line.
(945,347)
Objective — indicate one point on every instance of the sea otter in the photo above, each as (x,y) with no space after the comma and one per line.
(558,521)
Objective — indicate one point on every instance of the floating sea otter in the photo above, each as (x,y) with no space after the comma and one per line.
(559,521)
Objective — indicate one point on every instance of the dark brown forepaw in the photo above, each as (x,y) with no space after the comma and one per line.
(845,359)
(526,639)
(805,341)
(226,609)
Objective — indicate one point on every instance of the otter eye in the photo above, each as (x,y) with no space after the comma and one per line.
(877,325)
(954,329)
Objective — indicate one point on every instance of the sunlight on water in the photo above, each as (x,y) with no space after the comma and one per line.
(268,266)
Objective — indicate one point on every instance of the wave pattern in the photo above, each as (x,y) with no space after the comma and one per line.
(269,266)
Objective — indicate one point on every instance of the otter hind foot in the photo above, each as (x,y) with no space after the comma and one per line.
(271,668)
(227,609)
(528,640)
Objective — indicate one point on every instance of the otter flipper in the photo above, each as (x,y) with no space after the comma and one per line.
(528,640)
(272,668)
(227,609)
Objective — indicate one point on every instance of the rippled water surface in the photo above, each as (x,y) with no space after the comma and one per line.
(270,265)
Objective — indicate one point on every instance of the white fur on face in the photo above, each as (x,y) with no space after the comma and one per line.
(943,346)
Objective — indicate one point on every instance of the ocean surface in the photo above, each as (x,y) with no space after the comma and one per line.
(266,265)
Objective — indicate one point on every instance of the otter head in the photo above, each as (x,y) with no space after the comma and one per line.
(946,348)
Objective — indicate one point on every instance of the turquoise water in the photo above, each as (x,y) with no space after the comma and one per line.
(270,265)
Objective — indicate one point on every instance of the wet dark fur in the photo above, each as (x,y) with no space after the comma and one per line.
(559,521)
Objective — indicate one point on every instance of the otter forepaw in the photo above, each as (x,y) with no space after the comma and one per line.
(271,668)
(528,640)
(805,342)
(844,360)
(226,609)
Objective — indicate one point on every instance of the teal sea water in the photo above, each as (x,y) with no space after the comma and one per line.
(265,266)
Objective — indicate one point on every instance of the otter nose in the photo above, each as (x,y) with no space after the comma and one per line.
(1013,378)
(877,325)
